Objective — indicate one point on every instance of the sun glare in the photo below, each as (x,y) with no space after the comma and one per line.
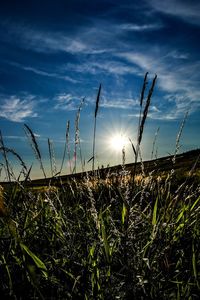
(118,142)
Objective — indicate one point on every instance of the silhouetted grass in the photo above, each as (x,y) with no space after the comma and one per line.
(121,235)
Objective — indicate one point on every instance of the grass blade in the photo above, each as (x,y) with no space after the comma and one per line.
(34,257)
(5,157)
(154,219)
(146,109)
(34,146)
(95,119)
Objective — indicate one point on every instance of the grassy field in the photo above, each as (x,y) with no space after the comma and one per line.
(128,232)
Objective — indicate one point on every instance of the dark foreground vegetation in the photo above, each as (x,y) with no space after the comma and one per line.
(101,240)
(125,233)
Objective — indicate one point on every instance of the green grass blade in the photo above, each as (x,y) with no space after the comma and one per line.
(195,203)
(124,213)
(105,241)
(8,273)
(34,257)
(194,261)
(154,219)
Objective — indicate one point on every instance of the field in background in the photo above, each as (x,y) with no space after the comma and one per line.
(184,164)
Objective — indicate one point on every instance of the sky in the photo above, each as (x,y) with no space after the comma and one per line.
(55,53)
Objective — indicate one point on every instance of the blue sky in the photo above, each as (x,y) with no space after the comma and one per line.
(54,53)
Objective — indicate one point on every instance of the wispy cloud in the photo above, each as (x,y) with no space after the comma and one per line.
(66,102)
(178,55)
(14,137)
(16,109)
(43,73)
(173,77)
(178,81)
(186,10)
(172,107)
(113,67)
(107,47)
(119,104)
(140,27)
(50,41)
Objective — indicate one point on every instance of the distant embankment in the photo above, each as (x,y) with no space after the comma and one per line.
(183,162)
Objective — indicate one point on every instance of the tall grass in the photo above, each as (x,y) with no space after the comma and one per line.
(67,150)
(80,229)
(121,236)
(95,123)
(68,145)
(5,157)
(154,143)
(143,115)
(77,137)
(52,159)
(33,142)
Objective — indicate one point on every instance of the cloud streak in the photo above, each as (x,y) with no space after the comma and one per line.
(119,104)
(180,83)
(17,110)
(43,73)
(113,67)
(185,10)
(50,41)
(111,47)
(140,27)
(66,102)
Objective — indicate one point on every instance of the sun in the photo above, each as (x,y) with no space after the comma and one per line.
(117,142)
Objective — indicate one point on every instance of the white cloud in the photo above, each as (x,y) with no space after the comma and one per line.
(43,73)
(178,55)
(17,137)
(14,137)
(177,74)
(119,104)
(112,67)
(173,107)
(66,102)
(179,81)
(172,77)
(143,61)
(186,10)
(17,110)
(143,27)
(75,46)
(51,42)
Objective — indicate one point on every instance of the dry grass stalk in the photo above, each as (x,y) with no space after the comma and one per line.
(77,136)
(66,149)
(123,157)
(154,142)
(8,150)
(146,109)
(52,158)
(143,89)
(3,210)
(95,121)
(145,82)
(34,146)
(142,118)
(68,145)
(133,147)
(5,157)
(79,141)
(179,137)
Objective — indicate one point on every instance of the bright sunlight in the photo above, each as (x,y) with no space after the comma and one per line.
(118,142)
